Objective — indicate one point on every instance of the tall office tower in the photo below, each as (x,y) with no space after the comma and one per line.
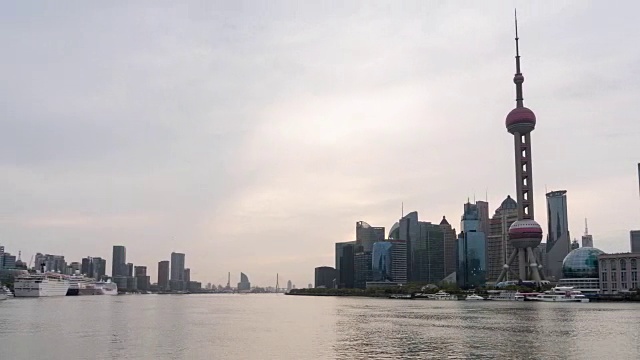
(399,261)
(53,263)
(558,240)
(427,254)
(345,252)
(187,275)
(177,271)
(381,261)
(498,247)
(587,239)
(130,269)
(362,268)
(409,230)
(86,268)
(163,275)
(142,280)
(99,268)
(244,284)
(635,241)
(366,235)
(289,285)
(140,271)
(472,258)
(483,214)
(119,261)
(73,268)
(450,240)
(325,277)
(525,234)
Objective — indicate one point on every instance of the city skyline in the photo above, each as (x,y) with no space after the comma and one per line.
(140,136)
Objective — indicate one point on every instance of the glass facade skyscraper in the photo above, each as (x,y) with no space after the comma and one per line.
(381,261)
(472,256)
(558,240)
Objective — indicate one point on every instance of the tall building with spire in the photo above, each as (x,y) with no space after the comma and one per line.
(449,247)
(498,247)
(558,238)
(587,239)
(525,234)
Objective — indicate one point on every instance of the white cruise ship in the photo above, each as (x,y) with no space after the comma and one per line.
(562,294)
(79,285)
(40,285)
(106,288)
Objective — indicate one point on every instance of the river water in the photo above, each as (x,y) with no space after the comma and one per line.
(270,326)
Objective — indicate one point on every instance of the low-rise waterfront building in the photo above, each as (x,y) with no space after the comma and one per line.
(618,272)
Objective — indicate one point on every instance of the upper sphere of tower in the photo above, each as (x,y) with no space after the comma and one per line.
(525,233)
(521,120)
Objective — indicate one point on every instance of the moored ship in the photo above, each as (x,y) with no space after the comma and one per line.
(41,285)
(562,294)
(79,285)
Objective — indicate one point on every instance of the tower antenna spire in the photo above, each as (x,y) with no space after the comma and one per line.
(586,228)
(518,79)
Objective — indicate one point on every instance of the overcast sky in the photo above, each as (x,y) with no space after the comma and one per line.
(253,135)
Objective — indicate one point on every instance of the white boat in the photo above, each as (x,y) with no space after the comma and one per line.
(562,294)
(474,297)
(442,295)
(106,288)
(79,285)
(41,285)
(401,296)
(503,295)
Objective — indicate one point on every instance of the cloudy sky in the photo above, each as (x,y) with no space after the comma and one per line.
(253,135)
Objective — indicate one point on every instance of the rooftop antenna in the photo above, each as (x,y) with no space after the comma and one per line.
(277,282)
(586,228)
(486,195)
(518,79)
(402,210)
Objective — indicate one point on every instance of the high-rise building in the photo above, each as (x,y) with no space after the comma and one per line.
(289,285)
(73,268)
(498,247)
(53,263)
(177,272)
(381,261)
(362,269)
(187,275)
(399,261)
(7,261)
(558,240)
(472,267)
(483,215)
(427,254)
(525,234)
(142,280)
(140,270)
(325,277)
(244,284)
(635,241)
(130,269)
(345,253)
(367,235)
(587,239)
(450,240)
(163,275)
(119,261)
(408,230)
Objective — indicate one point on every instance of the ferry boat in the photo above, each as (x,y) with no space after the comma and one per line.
(562,294)
(79,285)
(106,288)
(41,285)
(401,296)
(442,295)
(474,297)
(504,295)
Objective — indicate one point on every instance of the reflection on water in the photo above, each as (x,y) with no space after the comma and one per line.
(290,327)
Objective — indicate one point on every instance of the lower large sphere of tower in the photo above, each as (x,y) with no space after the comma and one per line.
(521,120)
(525,233)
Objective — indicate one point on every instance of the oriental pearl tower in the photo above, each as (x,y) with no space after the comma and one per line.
(525,234)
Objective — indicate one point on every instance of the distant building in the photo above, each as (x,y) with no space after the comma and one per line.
(399,261)
(53,263)
(483,216)
(143,281)
(635,241)
(587,240)
(187,275)
(558,240)
(450,241)
(427,254)
(163,275)
(381,261)
(130,269)
(618,272)
(73,268)
(367,235)
(498,247)
(140,270)
(345,255)
(176,282)
(289,285)
(132,283)
(121,281)
(194,286)
(325,277)
(244,284)
(580,270)
(575,244)
(362,269)
(7,261)
(119,261)
(472,267)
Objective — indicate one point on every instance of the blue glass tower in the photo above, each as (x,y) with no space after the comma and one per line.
(471,250)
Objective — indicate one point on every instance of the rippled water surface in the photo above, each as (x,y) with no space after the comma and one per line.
(293,327)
